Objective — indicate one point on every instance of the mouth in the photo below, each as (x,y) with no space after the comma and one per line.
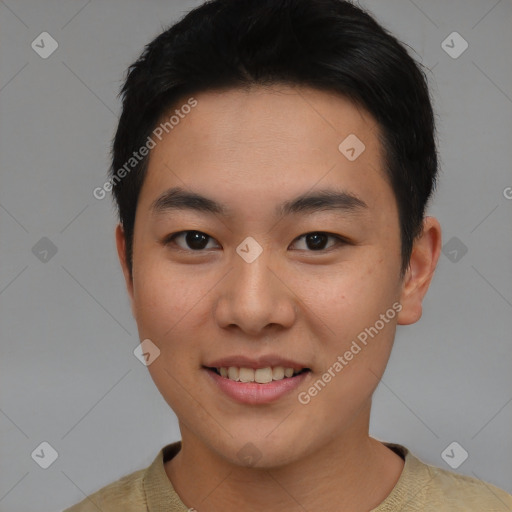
(253,386)
(257,375)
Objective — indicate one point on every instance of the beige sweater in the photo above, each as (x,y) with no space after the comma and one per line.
(421,487)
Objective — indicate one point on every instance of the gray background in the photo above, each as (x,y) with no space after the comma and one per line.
(68,373)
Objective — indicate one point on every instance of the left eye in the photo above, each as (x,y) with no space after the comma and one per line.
(317,240)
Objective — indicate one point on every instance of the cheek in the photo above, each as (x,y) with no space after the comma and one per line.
(168,302)
(350,305)
(170,313)
(350,296)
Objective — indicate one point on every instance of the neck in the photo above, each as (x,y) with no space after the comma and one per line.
(350,472)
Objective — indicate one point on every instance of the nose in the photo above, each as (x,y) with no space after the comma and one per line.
(255,298)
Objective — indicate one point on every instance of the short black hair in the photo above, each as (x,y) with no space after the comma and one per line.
(330,45)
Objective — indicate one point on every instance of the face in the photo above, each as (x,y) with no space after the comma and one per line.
(257,275)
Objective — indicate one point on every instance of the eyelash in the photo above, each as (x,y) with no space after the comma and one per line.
(170,240)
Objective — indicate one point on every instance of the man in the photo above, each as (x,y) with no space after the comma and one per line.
(272,168)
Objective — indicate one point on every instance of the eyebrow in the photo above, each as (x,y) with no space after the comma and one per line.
(177,198)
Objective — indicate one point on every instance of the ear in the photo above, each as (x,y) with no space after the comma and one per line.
(423,262)
(121,252)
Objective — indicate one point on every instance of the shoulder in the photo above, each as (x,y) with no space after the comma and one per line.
(139,491)
(465,493)
(430,488)
(125,494)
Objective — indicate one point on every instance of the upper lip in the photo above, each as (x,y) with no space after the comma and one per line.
(255,362)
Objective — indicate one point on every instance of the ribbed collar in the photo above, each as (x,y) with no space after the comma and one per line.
(161,496)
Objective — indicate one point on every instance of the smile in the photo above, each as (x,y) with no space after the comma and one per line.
(259,375)
(253,386)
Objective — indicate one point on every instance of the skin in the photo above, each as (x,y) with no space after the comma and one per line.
(250,150)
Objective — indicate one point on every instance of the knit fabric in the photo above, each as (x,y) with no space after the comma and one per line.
(421,487)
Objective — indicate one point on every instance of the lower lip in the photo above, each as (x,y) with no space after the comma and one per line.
(255,393)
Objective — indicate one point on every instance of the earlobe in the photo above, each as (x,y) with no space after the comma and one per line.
(121,252)
(423,262)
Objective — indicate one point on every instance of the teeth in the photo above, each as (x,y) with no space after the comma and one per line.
(233,373)
(246,375)
(278,373)
(261,375)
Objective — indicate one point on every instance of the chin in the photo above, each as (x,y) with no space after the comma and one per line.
(260,452)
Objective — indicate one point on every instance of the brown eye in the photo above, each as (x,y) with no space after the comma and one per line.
(192,240)
(316,241)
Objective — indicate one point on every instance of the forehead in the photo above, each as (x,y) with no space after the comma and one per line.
(268,143)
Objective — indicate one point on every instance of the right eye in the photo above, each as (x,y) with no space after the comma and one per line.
(192,240)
